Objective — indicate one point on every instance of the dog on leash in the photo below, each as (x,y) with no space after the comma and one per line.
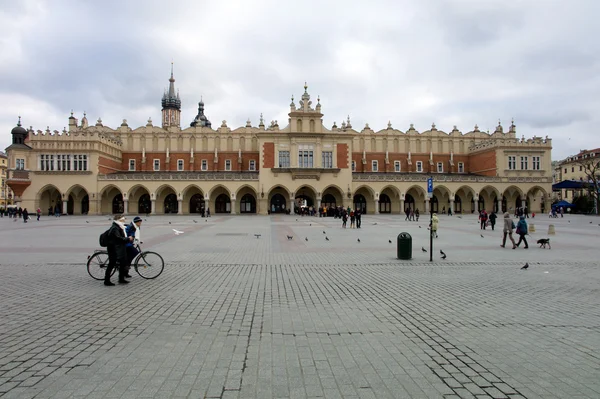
(543,242)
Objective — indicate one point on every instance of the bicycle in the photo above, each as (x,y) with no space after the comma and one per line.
(147,264)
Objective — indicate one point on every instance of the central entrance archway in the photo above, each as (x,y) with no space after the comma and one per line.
(197,204)
(385,204)
(223,204)
(171,204)
(278,204)
(248,204)
(360,203)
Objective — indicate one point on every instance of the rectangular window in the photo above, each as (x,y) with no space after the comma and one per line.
(51,162)
(305,159)
(228,164)
(524,163)
(396,166)
(419,166)
(204,164)
(580,168)
(440,167)
(572,169)
(157,164)
(354,166)
(20,164)
(565,170)
(535,163)
(374,166)
(252,165)
(180,165)
(512,162)
(68,162)
(132,165)
(59,162)
(461,167)
(42,162)
(284,159)
(327,159)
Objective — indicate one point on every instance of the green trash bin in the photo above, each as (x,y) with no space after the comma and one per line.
(404,246)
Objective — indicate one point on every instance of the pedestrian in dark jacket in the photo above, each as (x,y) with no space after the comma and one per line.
(492,218)
(133,230)
(358,215)
(117,250)
(25,215)
(522,231)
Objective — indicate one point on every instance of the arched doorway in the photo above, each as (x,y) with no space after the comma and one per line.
(277,204)
(223,204)
(385,204)
(480,204)
(117,204)
(144,204)
(70,205)
(409,203)
(85,205)
(329,203)
(197,204)
(435,206)
(360,203)
(171,204)
(248,204)
(457,204)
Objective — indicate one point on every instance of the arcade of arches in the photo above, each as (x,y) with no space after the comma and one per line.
(139,199)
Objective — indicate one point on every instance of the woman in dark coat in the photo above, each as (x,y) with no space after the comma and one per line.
(117,250)
(25,215)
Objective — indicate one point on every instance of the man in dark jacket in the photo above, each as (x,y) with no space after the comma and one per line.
(117,251)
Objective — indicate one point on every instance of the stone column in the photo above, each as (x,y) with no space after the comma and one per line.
(180,206)
(426,205)
(452,205)
(125,206)
(291,206)
(233,207)
(98,207)
(377,207)
(64,210)
(206,204)
(499,206)
(401,206)
(153,207)
(318,204)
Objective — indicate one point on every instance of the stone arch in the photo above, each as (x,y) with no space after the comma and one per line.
(111,200)
(440,202)
(332,196)
(538,199)
(393,194)
(166,199)
(49,196)
(417,194)
(488,199)
(364,199)
(305,195)
(246,199)
(464,200)
(192,199)
(511,198)
(278,200)
(220,199)
(367,188)
(78,200)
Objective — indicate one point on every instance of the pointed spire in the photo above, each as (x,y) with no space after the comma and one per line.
(19,122)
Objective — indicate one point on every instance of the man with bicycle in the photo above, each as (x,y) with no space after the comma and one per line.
(133,230)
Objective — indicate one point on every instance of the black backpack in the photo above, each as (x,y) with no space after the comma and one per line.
(104,238)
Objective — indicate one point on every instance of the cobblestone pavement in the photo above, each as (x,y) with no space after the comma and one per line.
(236,316)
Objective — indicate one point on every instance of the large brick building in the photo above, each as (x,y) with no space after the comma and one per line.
(257,169)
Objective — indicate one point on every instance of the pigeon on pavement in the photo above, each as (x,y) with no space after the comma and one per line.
(443,254)
(177,232)
(525,267)
(358,239)
(326,239)
(324,232)
(481,235)
(423,249)
(390,241)
(305,238)
(289,237)
(195,221)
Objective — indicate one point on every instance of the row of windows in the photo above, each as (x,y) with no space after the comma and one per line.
(181,165)
(535,163)
(63,162)
(419,166)
(306,159)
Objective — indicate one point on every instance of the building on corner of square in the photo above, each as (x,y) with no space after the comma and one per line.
(268,168)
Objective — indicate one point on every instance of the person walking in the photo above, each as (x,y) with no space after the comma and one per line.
(483,217)
(117,251)
(417,214)
(132,230)
(508,229)
(522,231)
(493,218)
(434,225)
(344,218)
(39,213)
(25,215)
(407,211)
(358,215)
(352,219)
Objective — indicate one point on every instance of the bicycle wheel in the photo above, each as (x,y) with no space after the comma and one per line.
(97,264)
(149,265)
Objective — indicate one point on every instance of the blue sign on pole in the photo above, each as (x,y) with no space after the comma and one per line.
(430,184)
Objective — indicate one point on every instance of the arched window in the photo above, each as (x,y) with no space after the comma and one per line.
(171,204)
(278,204)
(248,204)
(144,204)
(197,204)
(312,126)
(117,204)
(223,204)
(385,204)
(360,202)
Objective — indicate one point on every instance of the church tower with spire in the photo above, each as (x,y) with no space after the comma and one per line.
(171,105)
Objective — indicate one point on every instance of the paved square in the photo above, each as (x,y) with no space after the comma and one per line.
(235,316)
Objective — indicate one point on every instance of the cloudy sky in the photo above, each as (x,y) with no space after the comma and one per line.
(452,62)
